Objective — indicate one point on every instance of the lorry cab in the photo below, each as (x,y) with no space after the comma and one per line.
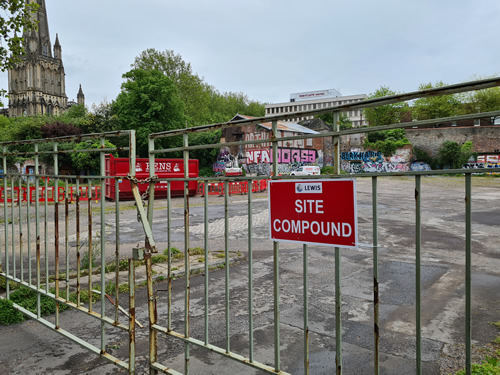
(306,170)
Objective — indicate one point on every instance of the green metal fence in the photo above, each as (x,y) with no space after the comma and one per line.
(277,367)
(40,274)
(55,228)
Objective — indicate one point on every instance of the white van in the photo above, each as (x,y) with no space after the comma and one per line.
(306,170)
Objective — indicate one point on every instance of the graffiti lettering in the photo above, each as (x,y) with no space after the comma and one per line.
(364,156)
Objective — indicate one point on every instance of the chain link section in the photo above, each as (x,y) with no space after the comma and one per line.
(144,196)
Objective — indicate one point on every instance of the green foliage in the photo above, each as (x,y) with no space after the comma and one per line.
(385,114)
(100,119)
(159,258)
(192,90)
(88,258)
(453,155)
(203,103)
(328,170)
(149,103)
(206,171)
(197,251)
(386,141)
(490,366)
(424,156)
(3,284)
(89,161)
(16,18)
(27,298)
(206,156)
(173,250)
(436,106)
(344,122)
(8,314)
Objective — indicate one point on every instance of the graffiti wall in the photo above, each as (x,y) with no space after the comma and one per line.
(370,161)
(481,165)
(285,155)
(372,167)
(365,156)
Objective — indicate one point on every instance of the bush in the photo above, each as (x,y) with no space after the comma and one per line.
(159,258)
(8,314)
(26,298)
(173,250)
(197,251)
(328,170)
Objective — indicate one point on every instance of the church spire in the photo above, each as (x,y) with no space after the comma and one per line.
(57,49)
(42,32)
(80,98)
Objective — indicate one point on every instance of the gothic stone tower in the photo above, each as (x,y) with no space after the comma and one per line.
(37,82)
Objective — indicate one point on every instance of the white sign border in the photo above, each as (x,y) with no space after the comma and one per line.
(353,180)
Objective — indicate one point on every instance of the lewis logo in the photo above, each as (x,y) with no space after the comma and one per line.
(309,187)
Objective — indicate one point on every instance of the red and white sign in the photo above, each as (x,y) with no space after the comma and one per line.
(318,212)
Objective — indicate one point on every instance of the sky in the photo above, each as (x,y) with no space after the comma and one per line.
(268,49)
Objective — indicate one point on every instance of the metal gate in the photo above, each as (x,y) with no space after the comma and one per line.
(58,237)
(175,327)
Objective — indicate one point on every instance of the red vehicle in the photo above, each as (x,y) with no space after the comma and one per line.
(164,168)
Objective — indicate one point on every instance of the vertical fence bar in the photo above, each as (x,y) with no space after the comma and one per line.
(338,296)
(468,270)
(117,248)
(306,309)
(153,314)
(89,241)
(46,232)
(276,267)
(205,218)
(376,298)
(28,226)
(103,243)
(66,234)
(153,334)
(37,229)
(131,317)
(250,271)
(56,229)
(151,186)
(418,237)
(13,226)
(21,255)
(226,260)
(186,248)
(169,265)
(5,220)
(78,259)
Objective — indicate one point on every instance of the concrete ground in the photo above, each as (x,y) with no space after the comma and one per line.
(30,348)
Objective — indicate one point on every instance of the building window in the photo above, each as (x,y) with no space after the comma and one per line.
(309,142)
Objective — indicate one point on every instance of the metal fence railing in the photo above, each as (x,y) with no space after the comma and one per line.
(275,139)
(34,255)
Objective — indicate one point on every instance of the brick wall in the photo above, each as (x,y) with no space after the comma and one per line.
(486,139)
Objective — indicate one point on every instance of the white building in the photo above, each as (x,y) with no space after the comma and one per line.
(318,100)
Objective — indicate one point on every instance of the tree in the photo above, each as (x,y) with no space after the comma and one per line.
(436,106)
(148,103)
(386,141)
(481,100)
(455,156)
(89,161)
(203,103)
(192,90)
(59,129)
(385,114)
(17,17)
(344,122)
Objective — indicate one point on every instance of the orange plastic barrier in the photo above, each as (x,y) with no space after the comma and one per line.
(217,188)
